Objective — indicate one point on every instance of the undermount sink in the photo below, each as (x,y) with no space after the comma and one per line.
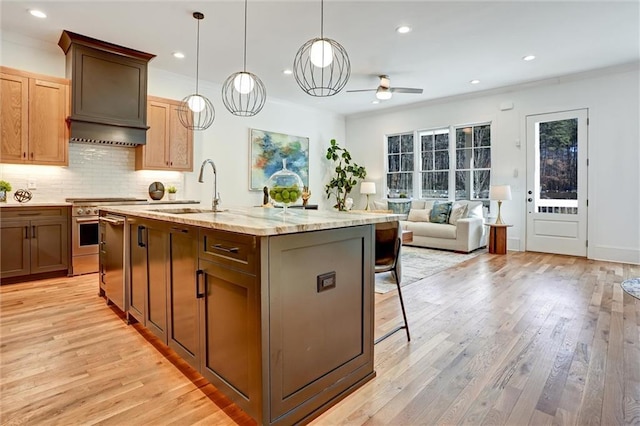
(184,210)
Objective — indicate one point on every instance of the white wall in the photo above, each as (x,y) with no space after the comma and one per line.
(100,170)
(612,97)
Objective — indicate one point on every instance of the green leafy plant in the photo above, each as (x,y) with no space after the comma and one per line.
(347,175)
(172,189)
(5,186)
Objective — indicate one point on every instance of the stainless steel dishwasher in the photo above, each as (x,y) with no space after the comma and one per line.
(112,270)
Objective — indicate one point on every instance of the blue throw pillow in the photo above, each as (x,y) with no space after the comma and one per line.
(440,212)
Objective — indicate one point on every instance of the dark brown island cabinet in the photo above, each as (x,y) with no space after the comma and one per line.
(35,240)
(281,324)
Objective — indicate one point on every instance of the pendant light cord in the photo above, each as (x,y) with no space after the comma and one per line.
(321,18)
(245,36)
(197,53)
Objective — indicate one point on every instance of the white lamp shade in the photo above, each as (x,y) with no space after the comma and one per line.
(500,192)
(368,188)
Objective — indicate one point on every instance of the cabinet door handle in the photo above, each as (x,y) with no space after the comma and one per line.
(141,243)
(184,231)
(199,274)
(33,232)
(26,232)
(225,249)
(32,155)
(24,155)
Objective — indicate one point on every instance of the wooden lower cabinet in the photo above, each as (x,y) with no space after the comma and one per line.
(183,301)
(230,327)
(34,241)
(282,325)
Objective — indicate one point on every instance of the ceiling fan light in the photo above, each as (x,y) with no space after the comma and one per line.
(243,83)
(321,53)
(383,93)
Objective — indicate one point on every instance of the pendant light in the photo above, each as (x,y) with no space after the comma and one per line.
(243,93)
(321,66)
(197,111)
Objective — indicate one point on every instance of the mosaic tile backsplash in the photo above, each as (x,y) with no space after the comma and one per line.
(93,171)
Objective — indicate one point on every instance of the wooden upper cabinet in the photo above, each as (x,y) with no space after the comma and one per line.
(169,144)
(34,112)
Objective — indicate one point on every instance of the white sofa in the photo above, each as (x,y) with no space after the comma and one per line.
(463,232)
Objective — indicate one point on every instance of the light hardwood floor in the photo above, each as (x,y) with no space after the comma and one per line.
(519,339)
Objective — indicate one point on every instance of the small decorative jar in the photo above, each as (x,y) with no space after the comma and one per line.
(285,187)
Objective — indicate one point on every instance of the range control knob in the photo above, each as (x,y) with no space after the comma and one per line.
(95,211)
(80,211)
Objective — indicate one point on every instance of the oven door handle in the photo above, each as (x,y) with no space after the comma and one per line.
(87,220)
(112,220)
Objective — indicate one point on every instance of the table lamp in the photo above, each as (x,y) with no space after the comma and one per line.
(368,188)
(500,193)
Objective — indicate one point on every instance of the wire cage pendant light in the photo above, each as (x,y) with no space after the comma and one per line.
(321,66)
(196,111)
(243,93)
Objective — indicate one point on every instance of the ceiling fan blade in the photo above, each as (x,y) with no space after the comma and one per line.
(405,90)
(363,90)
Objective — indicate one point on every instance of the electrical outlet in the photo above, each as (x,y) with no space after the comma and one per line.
(31,184)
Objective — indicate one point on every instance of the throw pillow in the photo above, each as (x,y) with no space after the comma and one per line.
(440,212)
(380,205)
(458,211)
(418,215)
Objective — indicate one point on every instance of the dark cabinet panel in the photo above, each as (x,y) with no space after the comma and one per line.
(139,278)
(16,252)
(184,319)
(49,245)
(158,258)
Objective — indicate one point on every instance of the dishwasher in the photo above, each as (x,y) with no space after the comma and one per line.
(112,259)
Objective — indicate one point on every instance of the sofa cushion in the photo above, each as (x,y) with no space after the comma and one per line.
(380,205)
(419,215)
(458,211)
(417,204)
(432,230)
(440,212)
(475,209)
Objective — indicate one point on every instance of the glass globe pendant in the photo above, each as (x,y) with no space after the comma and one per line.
(243,93)
(321,66)
(196,111)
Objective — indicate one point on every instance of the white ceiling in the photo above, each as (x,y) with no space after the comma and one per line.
(452,42)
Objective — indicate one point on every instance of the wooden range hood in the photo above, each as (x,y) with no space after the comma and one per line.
(109,91)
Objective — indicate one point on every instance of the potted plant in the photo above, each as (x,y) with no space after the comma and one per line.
(347,175)
(4,188)
(172,192)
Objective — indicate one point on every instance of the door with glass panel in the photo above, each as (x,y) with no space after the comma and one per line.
(557,183)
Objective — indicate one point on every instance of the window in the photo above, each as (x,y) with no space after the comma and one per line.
(473,162)
(434,173)
(400,164)
(447,163)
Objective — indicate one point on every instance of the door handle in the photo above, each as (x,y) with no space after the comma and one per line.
(225,249)
(184,231)
(529,199)
(26,233)
(33,231)
(141,243)
(199,274)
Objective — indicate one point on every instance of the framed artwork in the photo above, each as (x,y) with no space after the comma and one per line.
(268,149)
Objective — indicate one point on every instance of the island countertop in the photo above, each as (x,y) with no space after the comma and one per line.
(257,221)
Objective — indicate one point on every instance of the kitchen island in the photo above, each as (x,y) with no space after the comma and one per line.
(274,310)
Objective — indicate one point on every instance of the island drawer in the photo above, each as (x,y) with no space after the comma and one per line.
(237,251)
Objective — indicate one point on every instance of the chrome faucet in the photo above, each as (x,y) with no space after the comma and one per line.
(216,195)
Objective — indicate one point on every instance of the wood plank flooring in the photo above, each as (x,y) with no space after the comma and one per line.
(524,338)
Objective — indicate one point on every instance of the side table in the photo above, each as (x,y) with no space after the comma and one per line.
(497,237)
(407,236)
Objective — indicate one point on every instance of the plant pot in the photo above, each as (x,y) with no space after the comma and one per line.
(172,196)
(3,196)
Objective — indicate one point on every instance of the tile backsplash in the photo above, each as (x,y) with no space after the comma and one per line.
(93,171)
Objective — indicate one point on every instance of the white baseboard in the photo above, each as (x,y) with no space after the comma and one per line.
(614,254)
(513,244)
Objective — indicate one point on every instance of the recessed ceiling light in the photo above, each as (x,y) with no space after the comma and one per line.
(474,81)
(37,13)
(178,55)
(528,58)
(403,29)
(287,72)
(375,102)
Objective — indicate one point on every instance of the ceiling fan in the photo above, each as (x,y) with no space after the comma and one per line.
(385,91)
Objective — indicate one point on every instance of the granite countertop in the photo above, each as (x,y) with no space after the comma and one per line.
(255,220)
(35,204)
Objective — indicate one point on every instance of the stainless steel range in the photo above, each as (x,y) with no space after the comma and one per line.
(85,232)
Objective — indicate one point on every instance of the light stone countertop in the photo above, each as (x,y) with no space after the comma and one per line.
(255,220)
(12,203)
